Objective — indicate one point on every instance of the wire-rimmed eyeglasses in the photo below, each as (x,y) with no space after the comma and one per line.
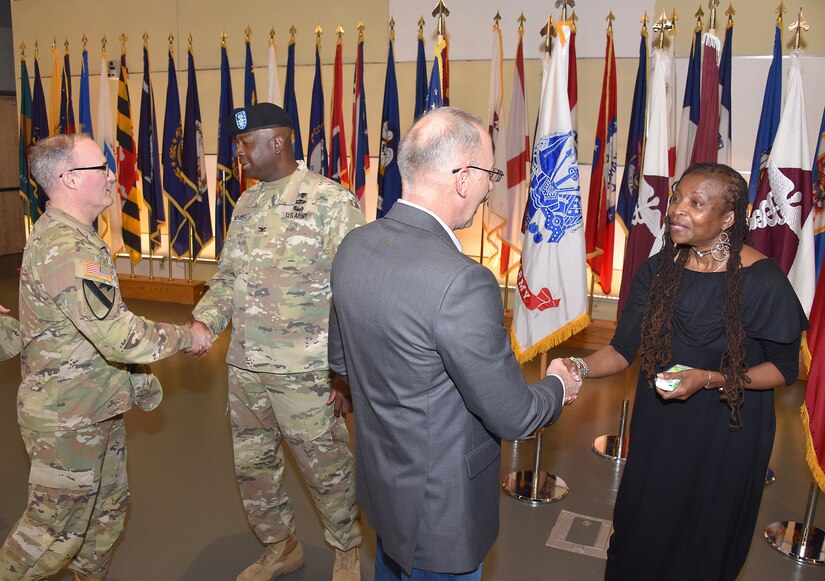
(494,173)
(101,167)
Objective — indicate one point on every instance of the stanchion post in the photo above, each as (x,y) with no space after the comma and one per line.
(802,542)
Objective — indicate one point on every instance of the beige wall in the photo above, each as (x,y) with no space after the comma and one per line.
(44,20)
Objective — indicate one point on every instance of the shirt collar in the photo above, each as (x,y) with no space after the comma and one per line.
(439,220)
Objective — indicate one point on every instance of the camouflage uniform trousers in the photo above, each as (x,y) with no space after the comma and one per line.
(78,495)
(266,408)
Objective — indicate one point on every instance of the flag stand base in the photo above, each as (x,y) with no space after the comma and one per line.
(614,447)
(802,542)
(535,486)
(184,292)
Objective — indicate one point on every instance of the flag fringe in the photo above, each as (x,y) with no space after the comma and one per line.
(807,357)
(555,338)
(810,451)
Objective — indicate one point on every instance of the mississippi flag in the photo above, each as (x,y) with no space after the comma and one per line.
(706,145)
(645,237)
(551,282)
(338,141)
(769,119)
(517,170)
(127,174)
(690,106)
(782,221)
(819,198)
(492,221)
(813,410)
(360,142)
(601,205)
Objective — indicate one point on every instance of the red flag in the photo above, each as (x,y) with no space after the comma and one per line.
(338,145)
(706,146)
(813,411)
(601,205)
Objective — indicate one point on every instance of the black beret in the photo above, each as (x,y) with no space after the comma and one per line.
(259,116)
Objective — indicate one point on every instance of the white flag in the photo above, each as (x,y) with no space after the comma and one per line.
(274,93)
(109,225)
(552,286)
(491,220)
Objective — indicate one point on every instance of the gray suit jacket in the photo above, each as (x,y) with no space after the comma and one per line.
(416,330)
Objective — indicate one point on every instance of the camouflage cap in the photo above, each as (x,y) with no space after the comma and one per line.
(259,116)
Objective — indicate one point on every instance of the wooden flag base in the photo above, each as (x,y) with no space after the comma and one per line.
(179,291)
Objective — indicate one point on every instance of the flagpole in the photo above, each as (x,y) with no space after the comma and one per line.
(191,261)
(803,541)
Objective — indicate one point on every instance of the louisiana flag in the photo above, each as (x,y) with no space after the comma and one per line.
(421,88)
(551,282)
(228,189)
(66,107)
(174,187)
(781,221)
(110,223)
(769,119)
(127,166)
(338,141)
(291,103)
(27,193)
(818,174)
(148,160)
(250,93)
(389,178)
(689,119)
(40,129)
(601,204)
(317,146)
(360,140)
(193,164)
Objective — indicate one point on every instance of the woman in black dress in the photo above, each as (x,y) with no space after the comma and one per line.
(689,496)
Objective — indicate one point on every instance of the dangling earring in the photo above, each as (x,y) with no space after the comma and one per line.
(721,250)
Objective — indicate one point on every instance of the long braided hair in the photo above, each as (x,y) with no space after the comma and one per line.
(658,314)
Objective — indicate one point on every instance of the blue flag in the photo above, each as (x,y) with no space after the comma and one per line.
(148,156)
(389,178)
(193,164)
(173,185)
(66,108)
(725,154)
(360,141)
(769,119)
(689,121)
(291,104)
(435,96)
(421,90)
(228,188)
(40,128)
(85,98)
(27,194)
(634,155)
(250,94)
(317,146)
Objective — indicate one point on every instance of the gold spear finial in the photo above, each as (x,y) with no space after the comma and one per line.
(102,44)
(699,15)
(360,28)
(798,26)
(292,31)
(272,35)
(496,20)
(610,18)
(189,42)
(662,25)
(224,36)
(37,50)
(339,31)
(521,21)
(780,10)
(84,41)
(573,20)
(247,33)
(563,4)
(644,20)
(673,18)
(123,38)
(66,45)
(171,42)
(318,32)
(547,31)
(54,42)
(22,50)
(421,24)
(145,39)
(440,12)
(730,13)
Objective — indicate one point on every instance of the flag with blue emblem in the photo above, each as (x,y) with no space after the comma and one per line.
(317,146)
(174,187)
(66,107)
(228,188)
(725,154)
(250,93)
(148,160)
(389,178)
(40,127)
(601,201)
(85,97)
(193,165)
(290,102)
(769,118)
(781,221)
(338,142)
(629,188)
(818,174)
(689,119)
(552,303)
(360,141)
(421,88)
(27,194)
(110,224)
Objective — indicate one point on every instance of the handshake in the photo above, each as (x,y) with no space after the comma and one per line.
(202,338)
(570,376)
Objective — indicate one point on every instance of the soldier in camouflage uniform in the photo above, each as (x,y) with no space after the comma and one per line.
(79,340)
(9,335)
(273,284)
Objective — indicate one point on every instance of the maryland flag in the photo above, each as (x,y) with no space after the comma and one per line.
(127,175)
(338,142)
(552,285)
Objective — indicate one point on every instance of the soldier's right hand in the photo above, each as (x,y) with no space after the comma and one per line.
(202,338)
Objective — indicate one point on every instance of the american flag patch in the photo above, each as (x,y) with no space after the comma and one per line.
(98,271)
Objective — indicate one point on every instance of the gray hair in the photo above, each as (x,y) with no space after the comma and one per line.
(441,140)
(50,157)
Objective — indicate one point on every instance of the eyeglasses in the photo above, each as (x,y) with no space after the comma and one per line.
(103,166)
(495,174)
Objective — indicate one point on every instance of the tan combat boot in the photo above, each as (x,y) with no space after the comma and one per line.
(347,565)
(279,559)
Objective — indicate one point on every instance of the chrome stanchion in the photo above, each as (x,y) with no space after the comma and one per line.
(535,486)
(614,447)
(802,542)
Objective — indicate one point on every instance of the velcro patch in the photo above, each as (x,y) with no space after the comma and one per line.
(97,271)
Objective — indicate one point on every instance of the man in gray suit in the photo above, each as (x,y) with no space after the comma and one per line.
(416,330)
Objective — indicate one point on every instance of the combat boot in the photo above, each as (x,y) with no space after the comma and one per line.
(347,565)
(279,559)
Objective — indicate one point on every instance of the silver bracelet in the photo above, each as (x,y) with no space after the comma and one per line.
(581,366)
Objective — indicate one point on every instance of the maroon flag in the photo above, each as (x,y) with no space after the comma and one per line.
(706,145)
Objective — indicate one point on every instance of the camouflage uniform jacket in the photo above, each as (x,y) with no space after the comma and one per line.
(273,273)
(9,337)
(77,334)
